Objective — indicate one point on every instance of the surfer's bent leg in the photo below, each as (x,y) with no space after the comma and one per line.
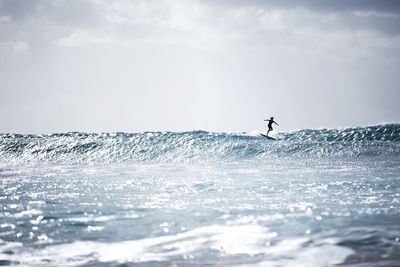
(269,129)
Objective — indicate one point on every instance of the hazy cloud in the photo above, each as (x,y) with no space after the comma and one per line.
(194,59)
(317,6)
(192,22)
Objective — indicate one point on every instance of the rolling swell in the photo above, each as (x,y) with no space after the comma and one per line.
(148,147)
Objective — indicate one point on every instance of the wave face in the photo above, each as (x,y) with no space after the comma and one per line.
(148,147)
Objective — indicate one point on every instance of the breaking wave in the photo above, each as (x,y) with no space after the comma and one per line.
(149,147)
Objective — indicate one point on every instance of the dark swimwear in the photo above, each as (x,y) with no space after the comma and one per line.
(270,125)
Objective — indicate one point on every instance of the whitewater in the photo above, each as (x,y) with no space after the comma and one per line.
(315,197)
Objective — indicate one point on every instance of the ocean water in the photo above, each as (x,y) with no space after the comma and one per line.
(328,197)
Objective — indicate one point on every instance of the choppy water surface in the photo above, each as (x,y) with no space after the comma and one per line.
(314,198)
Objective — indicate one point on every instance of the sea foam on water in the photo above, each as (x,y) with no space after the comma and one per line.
(312,198)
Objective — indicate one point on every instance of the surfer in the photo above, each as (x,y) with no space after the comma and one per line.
(270,122)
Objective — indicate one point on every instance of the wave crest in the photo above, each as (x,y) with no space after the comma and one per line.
(77,147)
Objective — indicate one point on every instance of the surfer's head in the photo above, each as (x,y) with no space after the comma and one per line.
(272,118)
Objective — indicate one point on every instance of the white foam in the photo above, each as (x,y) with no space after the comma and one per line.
(225,240)
(28,213)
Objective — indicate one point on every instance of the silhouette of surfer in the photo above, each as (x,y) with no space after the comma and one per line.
(270,122)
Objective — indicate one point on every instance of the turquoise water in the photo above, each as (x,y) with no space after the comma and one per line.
(314,198)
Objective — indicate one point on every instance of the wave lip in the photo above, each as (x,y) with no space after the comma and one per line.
(155,147)
(383,132)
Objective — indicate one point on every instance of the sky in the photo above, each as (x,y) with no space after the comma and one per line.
(216,65)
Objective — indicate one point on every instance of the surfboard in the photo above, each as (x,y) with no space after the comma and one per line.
(266,136)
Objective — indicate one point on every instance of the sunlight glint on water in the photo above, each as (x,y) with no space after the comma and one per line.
(313,198)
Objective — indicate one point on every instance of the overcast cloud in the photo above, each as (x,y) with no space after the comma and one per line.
(104,65)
